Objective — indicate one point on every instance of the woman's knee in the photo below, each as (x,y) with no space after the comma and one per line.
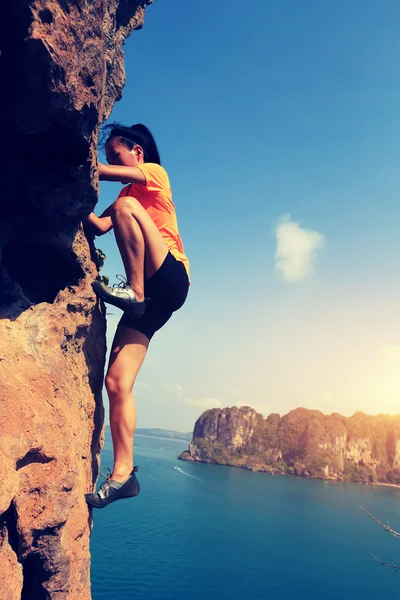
(125,205)
(118,386)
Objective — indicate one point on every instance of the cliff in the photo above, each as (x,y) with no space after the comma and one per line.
(304,442)
(62,68)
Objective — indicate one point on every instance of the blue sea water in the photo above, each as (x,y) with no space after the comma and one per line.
(220,533)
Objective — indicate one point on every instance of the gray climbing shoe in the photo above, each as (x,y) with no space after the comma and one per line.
(111,490)
(120,295)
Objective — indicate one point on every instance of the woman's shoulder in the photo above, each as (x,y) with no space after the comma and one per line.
(155,173)
(154,167)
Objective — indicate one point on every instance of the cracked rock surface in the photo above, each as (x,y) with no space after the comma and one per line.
(63,64)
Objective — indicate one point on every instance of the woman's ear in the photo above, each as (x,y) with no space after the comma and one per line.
(139,152)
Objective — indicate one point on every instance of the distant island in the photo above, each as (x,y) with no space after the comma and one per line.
(165,433)
(307,443)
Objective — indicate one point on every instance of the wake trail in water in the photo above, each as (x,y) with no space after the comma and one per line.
(187,474)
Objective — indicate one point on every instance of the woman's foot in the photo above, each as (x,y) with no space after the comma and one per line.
(120,295)
(111,490)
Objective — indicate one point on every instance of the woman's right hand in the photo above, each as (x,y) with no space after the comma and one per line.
(98,225)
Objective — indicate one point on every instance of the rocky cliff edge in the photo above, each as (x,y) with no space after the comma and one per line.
(61,64)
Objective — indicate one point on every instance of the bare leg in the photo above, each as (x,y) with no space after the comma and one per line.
(128,215)
(127,355)
(143,250)
(129,237)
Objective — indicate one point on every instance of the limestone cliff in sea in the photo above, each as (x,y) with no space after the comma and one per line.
(360,448)
(61,68)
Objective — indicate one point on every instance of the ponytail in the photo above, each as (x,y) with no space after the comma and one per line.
(137,134)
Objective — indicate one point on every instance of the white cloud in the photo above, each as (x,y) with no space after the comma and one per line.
(143,392)
(175,389)
(203,402)
(143,385)
(173,394)
(296,249)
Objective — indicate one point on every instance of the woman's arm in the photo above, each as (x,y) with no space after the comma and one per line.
(98,225)
(102,224)
(121,174)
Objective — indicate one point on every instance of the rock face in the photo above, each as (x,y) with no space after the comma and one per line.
(304,442)
(62,63)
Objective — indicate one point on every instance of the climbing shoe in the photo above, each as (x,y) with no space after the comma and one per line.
(120,295)
(111,490)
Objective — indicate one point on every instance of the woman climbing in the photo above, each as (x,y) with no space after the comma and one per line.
(157,282)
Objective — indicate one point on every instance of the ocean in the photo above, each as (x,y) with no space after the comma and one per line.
(200,531)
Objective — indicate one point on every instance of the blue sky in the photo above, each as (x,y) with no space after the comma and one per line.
(279,126)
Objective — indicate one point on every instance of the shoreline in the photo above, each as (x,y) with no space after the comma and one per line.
(395,485)
(276,472)
(159,437)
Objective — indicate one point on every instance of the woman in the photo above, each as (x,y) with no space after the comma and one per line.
(157,282)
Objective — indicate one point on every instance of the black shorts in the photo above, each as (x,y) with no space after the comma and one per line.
(165,292)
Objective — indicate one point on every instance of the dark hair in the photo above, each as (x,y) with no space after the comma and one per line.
(137,134)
